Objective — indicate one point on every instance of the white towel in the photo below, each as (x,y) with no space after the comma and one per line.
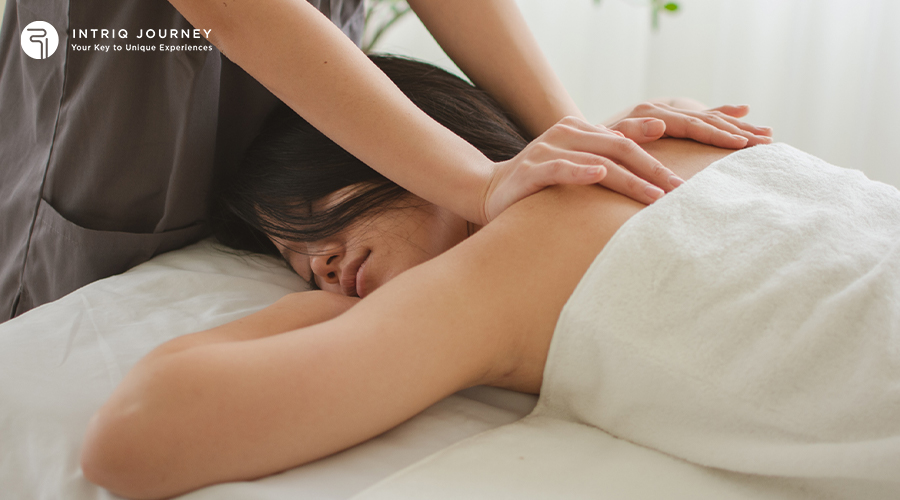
(741,337)
(749,321)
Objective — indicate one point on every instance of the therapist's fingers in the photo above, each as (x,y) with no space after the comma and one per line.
(710,127)
(626,153)
(640,130)
(738,111)
(576,152)
(620,180)
(737,127)
(687,125)
(732,113)
(718,126)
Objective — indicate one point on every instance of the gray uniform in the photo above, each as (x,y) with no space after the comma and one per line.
(108,158)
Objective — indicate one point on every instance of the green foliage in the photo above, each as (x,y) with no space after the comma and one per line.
(657,6)
(380,16)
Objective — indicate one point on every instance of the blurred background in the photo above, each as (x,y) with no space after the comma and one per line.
(825,74)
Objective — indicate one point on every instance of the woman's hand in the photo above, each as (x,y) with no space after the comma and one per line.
(576,152)
(720,126)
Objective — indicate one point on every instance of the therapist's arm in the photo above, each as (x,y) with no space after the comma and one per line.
(308,63)
(490,41)
(299,55)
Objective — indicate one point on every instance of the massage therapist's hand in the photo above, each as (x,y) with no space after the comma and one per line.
(720,126)
(576,152)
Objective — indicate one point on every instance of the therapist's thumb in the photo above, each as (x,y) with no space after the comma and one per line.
(641,130)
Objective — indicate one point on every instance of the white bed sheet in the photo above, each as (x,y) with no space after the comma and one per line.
(61,361)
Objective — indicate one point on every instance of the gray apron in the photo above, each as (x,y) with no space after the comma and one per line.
(108,158)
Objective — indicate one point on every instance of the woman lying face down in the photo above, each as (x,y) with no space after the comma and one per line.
(359,259)
(347,229)
(338,223)
(318,372)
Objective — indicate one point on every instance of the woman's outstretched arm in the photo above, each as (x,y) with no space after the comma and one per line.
(245,400)
(291,312)
(481,313)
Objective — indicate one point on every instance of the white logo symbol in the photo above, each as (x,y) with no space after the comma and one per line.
(39,40)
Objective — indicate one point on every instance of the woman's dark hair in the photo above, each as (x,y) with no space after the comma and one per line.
(291,165)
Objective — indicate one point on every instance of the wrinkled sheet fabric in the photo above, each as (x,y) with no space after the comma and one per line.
(59,362)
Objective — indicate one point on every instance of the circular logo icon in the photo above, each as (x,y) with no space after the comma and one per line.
(39,40)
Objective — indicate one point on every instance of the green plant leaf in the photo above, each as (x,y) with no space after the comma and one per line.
(671,6)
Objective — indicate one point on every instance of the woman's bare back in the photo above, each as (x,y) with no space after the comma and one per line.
(573,225)
(248,401)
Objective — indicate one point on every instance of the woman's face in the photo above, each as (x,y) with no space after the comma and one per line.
(371,252)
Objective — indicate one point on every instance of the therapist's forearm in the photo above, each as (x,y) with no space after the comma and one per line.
(301,57)
(490,41)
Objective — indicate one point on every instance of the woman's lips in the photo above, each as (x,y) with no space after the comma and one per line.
(361,278)
(352,275)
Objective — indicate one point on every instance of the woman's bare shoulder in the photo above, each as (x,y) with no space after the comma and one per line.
(507,284)
(685,157)
(496,296)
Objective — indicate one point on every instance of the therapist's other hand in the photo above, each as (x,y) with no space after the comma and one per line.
(576,152)
(720,126)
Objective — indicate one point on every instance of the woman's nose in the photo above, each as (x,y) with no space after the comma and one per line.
(327,266)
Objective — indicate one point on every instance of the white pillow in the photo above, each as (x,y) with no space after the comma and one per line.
(61,361)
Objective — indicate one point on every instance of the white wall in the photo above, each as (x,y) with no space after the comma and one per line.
(572,39)
(824,73)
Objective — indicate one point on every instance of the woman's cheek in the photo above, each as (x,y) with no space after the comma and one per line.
(329,287)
